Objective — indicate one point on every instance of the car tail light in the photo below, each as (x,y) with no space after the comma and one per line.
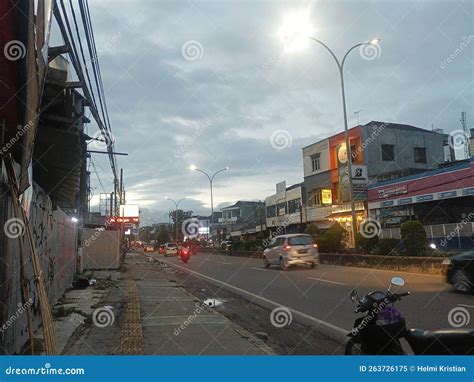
(315,245)
(286,247)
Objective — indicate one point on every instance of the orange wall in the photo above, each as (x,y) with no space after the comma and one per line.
(334,142)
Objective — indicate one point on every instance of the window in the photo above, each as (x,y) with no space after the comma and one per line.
(314,198)
(282,209)
(271,211)
(354,153)
(293,205)
(316,162)
(420,154)
(301,240)
(272,243)
(388,153)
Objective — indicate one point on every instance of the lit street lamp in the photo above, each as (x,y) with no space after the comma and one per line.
(176,203)
(297,28)
(211,179)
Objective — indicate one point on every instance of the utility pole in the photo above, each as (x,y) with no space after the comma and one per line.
(111,203)
(121,186)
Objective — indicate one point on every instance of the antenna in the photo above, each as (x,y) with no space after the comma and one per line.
(466,133)
(357,113)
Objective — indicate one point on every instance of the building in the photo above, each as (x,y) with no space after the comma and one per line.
(444,195)
(284,212)
(379,151)
(442,199)
(240,218)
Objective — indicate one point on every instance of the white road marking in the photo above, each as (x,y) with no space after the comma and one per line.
(259,269)
(325,281)
(296,312)
(226,263)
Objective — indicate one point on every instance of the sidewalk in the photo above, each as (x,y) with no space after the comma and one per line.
(147,312)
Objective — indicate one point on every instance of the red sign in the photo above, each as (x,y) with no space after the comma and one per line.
(121,220)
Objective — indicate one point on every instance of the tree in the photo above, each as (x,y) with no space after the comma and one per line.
(414,238)
(332,239)
(178,217)
(144,234)
(162,236)
(312,229)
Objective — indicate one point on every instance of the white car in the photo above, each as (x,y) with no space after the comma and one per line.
(171,249)
(148,248)
(295,249)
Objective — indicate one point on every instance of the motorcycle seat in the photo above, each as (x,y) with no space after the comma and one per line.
(449,341)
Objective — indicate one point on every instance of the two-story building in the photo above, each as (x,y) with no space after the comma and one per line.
(240,218)
(378,151)
(284,209)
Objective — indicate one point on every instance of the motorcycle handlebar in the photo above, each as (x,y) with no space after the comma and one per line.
(394,297)
(399,295)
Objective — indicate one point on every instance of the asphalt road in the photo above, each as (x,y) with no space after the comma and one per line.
(321,295)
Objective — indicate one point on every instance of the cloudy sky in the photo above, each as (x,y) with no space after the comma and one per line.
(209,83)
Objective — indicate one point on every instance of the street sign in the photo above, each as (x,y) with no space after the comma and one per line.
(359,174)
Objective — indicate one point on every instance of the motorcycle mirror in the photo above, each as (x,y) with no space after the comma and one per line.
(398,281)
(354,296)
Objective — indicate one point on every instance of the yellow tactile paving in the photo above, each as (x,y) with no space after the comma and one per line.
(131,335)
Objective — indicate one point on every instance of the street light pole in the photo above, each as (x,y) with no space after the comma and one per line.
(340,65)
(176,203)
(211,180)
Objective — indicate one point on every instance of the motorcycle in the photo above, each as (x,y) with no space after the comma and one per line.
(379,332)
(184,255)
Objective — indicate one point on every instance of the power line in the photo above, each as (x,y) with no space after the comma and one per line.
(64,24)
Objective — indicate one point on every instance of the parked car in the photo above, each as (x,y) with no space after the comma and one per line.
(226,245)
(171,249)
(295,249)
(148,248)
(461,272)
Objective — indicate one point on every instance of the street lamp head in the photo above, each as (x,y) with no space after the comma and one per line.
(374,41)
(295,30)
(192,167)
(226,167)
(166,197)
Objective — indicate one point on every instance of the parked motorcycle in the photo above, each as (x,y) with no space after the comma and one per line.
(380,330)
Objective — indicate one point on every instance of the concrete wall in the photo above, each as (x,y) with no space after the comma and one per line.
(55,237)
(316,182)
(100,249)
(404,140)
(321,147)
(428,265)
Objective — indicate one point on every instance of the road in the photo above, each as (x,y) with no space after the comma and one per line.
(321,295)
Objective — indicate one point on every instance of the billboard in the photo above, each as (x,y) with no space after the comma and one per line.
(129,210)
